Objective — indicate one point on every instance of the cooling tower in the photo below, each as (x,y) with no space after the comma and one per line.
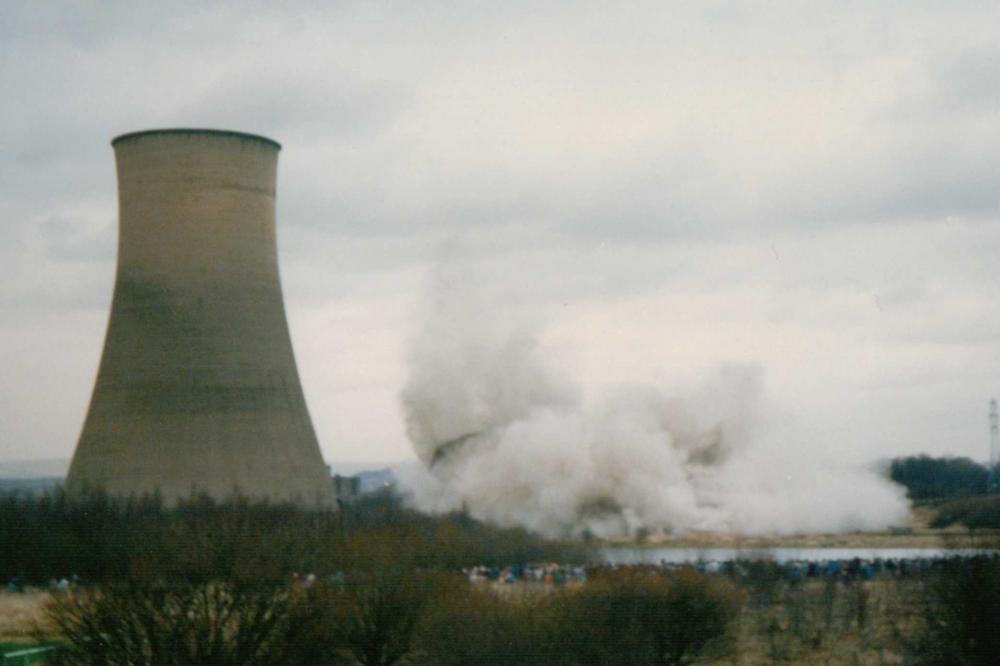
(197,390)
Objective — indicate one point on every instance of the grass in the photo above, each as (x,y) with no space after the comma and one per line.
(816,622)
(20,613)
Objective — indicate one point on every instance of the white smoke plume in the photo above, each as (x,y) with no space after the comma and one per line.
(507,436)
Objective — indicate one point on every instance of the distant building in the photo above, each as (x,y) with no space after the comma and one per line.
(346,488)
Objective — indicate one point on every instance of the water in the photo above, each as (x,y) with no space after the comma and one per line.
(638,555)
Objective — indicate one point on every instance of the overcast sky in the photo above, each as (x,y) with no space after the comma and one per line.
(667,187)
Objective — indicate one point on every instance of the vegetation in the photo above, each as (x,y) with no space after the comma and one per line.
(377,584)
(476,626)
(957,487)
(380,620)
(101,539)
(961,618)
(973,512)
(638,616)
(374,584)
(633,615)
(927,478)
(176,622)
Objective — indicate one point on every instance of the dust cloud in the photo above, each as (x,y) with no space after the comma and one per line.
(504,433)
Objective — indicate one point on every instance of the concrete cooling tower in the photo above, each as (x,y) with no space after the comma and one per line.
(197,390)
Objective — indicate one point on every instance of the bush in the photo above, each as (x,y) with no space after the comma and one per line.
(369,618)
(632,616)
(374,614)
(480,627)
(973,512)
(961,618)
(232,623)
(934,478)
(762,578)
(642,617)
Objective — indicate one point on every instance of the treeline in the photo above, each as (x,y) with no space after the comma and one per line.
(929,478)
(958,488)
(100,539)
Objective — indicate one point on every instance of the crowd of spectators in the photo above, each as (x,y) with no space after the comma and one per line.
(844,569)
(548,574)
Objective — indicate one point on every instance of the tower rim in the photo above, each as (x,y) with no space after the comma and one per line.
(128,136)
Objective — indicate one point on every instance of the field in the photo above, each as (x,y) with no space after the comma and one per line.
(19,614)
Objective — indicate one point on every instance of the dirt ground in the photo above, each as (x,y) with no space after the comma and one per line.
(20,612)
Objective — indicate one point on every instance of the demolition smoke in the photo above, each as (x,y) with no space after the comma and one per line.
(504,434)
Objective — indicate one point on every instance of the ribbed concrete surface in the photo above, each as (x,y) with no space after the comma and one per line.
(197,389)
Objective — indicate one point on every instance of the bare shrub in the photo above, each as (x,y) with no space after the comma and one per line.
(642,617)
(478,627)
(147,623)
(375,614)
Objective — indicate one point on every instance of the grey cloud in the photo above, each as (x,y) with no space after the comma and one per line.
(66,239)
(300,110)
(959,85)
(971,83)
(783,164)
